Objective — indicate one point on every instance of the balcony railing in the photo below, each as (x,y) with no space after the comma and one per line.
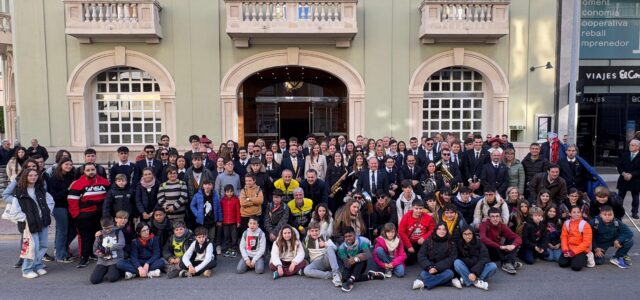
(113,20)
(6,38)
(292,21)
(483,21)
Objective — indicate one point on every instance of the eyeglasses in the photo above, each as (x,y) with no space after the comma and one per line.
(429,143)
(357,197)
(446,154)
(150,151)
(164,154)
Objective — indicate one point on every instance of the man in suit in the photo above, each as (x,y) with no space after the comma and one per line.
(629,180)
(282,147)
(342,144)
(393,176)
(194,140)
(311,141)
(417,152)
(372,180)
(430,151)
(475,158)
(572,171)
(495,174)
(315,189)
(294,162)
(240,165)
(411,171)
(149,161)
(451,166)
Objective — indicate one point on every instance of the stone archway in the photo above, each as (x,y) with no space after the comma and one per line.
(79,90)
(290,57)
(497,82)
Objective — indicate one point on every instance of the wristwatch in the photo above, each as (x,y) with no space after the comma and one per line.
(357,259)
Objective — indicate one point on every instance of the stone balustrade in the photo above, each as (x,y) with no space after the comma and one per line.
(113,20)
(291,21)
(475,21)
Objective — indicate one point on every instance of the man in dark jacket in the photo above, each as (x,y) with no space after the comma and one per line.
(315,189)
(411,171)
(533,164)
(473,163)
(495,174)
(37,149)
(572,171)
(149,161)
(629,180)
(551,181)
(6,152)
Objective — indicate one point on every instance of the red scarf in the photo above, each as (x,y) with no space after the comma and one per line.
(555,147)
(143,242)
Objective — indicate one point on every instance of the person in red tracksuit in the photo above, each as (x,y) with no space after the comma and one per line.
(85,206)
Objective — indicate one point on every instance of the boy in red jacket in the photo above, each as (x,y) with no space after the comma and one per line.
(415,227)
(501,242)
(230,221)
(86,196)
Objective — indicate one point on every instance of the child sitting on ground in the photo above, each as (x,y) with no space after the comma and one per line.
(175,248)
(322,255)
(353,253)
(287,254)
(199,258)
(534,238)
(145,259)
(576,241)
(611,232)
(123,225)
(252,247)
(389,253)
(108,248)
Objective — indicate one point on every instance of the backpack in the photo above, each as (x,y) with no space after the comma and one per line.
(580,226)
(596,223)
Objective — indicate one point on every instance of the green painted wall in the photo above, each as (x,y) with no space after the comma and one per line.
(198,53)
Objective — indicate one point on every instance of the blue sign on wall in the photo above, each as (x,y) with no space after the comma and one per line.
(610,29)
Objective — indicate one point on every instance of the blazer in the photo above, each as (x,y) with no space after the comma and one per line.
(287,164)
(141,165)
(364,183)
(629,166)
(499,179)
(574,174)
(473,166)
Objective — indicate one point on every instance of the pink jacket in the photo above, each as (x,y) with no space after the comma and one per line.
(399,255)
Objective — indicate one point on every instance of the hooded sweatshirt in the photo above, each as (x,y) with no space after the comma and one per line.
(111,247)
(253,244)
(403,205)
(412,229)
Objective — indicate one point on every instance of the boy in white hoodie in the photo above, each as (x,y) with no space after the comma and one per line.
(252,246)
(403,204)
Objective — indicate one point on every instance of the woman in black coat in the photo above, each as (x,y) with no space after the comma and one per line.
(436,258)
(473,263)
(335,171)
(146,195)
(58,187)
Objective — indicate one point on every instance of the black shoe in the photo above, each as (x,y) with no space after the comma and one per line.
(347,286)
(47,257)
(373,275)
(635,216)
(18,264)
(84,262)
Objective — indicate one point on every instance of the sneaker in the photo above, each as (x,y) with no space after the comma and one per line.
(347,286)
(337,281)
(18,264)
(233,254)
(64,261)
(128,275)
(456,283)
(47,257)
(276,275)
(183,274)
(619,261)
(509,268)
(418,284)
(388,273)
(173,274)
(84,262)
(376,275)
(517,265)
(207,273)
(627,260)
(591,262)
(481,284)
(218,250)
(30,275)
(41,272)
(227,253)
(153,274)
(301,273)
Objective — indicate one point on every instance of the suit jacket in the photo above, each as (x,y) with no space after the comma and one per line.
(393,176)
(209,165)
(454,169)
(240,169)
(141,165)
(287,164)
(499,179)
(629,166)
(418,173)
(473,166)
(574,173)
(421,158)
(318,192)
(364,183)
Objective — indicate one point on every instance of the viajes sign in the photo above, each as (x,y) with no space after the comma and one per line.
(621,75)
(610,29)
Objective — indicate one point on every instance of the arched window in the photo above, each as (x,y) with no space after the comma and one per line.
(453,102)
(127,107)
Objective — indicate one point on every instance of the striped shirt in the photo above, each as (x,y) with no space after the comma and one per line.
(173,195)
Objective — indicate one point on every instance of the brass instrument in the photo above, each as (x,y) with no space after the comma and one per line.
(446,175)
(336,187)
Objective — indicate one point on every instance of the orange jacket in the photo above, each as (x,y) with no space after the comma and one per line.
(573,239)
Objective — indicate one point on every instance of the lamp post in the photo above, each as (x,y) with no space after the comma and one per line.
(573,75)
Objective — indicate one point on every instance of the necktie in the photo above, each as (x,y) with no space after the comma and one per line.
(411,172)
(455,157)
(495,170)
(477,155)
(374,188)
(633,155)
(294,162)
(415,152)
(149,163)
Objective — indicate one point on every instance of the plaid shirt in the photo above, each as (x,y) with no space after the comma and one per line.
(230,210)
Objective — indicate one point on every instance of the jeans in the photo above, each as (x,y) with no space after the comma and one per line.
(434,280)
(126,265)
(553,254)
(626,246)
(230,233)
(40,243)
(502,255)
(62,241)
(398,270)
(318,268)
(529,256)
(242,266)
(461,268)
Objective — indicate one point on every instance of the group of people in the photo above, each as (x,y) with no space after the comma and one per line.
(348,211)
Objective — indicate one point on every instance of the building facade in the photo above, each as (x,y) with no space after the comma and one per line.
(102,73)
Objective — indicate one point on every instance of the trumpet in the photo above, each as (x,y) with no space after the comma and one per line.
(446,175)
(336,187)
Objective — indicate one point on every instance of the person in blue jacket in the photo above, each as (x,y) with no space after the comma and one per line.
(145,259)
(206,208)
(611,232)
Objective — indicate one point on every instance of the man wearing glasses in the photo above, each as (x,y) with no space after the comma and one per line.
(149,161)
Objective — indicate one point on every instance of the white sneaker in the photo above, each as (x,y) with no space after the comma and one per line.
(128,275)
(591,262)
(42,272)
(418,284)
(154,273)
(456,283)
(30,275)
(337,281)
(218,250)
(481,284)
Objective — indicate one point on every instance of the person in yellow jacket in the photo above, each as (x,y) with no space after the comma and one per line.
(300,210)
(575,242)
(287,185)
(251,198)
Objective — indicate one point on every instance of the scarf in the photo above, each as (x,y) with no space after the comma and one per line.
(143,241)
(276,207)
(355,224)
(392,244)
(148,185)
(160,226)
(555,147)
(451,225)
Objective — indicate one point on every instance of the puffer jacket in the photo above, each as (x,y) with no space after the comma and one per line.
(575,240)
(197,207)
(474,255)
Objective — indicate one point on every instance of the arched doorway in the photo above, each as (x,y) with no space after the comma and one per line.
(231,91)
(292,101)
(478,79)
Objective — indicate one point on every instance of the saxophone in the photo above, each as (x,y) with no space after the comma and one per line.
(446,175)
(336,187)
